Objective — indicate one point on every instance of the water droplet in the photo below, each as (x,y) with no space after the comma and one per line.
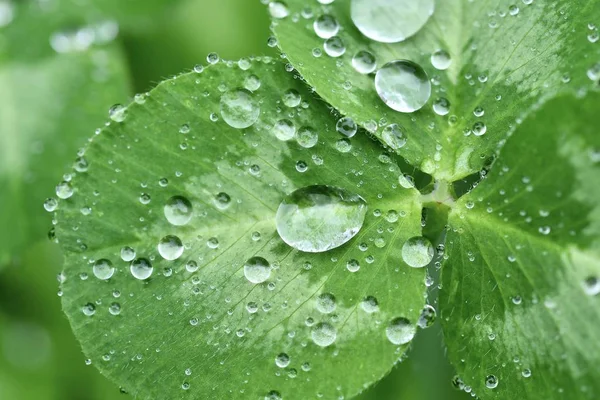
(114,309)
(334,47)
(594,72)
(307,137)
(479,129)
(319,218)
(393,135)
(353,265)
(282,360)
(178,210)
(278,9)
(591,285)
(89,309)
(284,129)
(417,252)
(369,305)
(117,113)
(127,253)
(257,270)
(491,382)
(212,58)
(526,373)
(103,269)
(64,190)
(400,331)
(441,106)
(252,83)
(323,334)
(222,200)
(403,86)
(427,317)
(326,303)
(390,21)
(141,269)
(364,62)
(326,26)
(273,395)
(346,126)
(239,108)
(291,98)
(170,247)
(50,204)
(441,60)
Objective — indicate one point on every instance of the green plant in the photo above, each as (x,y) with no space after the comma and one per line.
(220,217)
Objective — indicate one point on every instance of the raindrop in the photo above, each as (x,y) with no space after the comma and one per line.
(479,129)
(114,309)
(103,269)
(212,58)
(400,331)
(334,47)
(282,360)
(323,334)
(346,126)
(284,129)
(239,108)
(417,252)
(326,303)
(353,265)
(491,382)
(364,62)
(178,210)
(526,373)
(326,26)
(278,9)
(441,106)
(257,270)
(291,98)
(403,86)
(390,21)
(170,247)
(591,285)
(319,218)
(222,200)
(441,60)
(117,113)
(427,317)
(50,204)
(369,305)
(127,253)
(64,190)
(89,309)
(393,135)
(141,269)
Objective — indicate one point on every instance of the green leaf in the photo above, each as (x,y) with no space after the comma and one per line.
(502,63)
(521,282)
(50,102)
(176,142)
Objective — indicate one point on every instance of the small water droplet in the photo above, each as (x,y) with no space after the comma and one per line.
(239,108)
(400,331)
(323,334)
(346,126)
(390,21)
(441,106)
(89,309)
(141,269)
(319,218)
(393,135)
(364,62)
(441,60)
(326,303)
(417,252)
(369,305)
(403,86)
(117,113)
(64,190)
(427,317)
(170,247)
(282,360)
(591,285)
(491,382)
(127,253)
(326,26)
(278,9)
(178,210)
(334,47)
(257,270)
(103,269)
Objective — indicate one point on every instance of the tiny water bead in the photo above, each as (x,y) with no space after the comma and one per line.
(50,204)
(417,252)
(117,113)
(346,126)
(127,253)
(393,135)
(222,200)
(400,331)
(114,309)
(441,60)
(278,9)
(325,303)
(239,108)
(323,334)
(390,21)
(319,218)
(170,247)
(326,26)
(178,210)
(427,317)
(491,382)
(141,269)
(364,62)
(257,270)
(103,269)
(403,86)
(479,129)
(353,265)
(282,360)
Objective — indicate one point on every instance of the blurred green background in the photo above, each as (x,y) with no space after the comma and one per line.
(39,357)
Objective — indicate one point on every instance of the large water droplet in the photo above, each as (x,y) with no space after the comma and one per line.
(257,270)
(326,26)
(390,21)
(178,210)
(400,331)
(141,269)
(319,218)
(323,334)
(103,269)
(239,108)
(403,86)
(417,252)
(170,247)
